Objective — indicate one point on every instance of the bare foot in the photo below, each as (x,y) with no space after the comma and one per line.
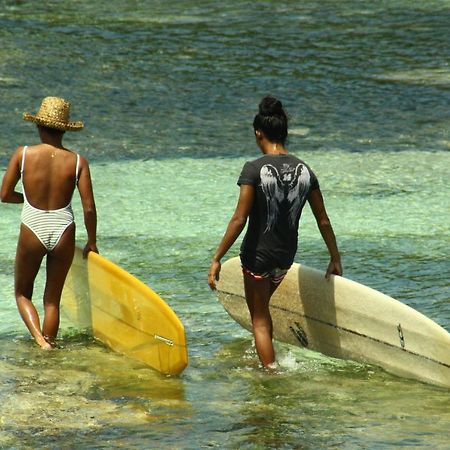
(44,344)
(50,341)
(47,346)
(272,368)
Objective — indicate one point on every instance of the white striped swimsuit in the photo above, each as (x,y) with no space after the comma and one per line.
(48,226)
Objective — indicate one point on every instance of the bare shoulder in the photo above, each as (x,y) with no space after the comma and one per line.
(17,155)
(18,151)
(83,161)
(84,166)
(33,147)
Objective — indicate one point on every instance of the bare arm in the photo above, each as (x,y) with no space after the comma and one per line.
(89,209)
(316,202)
(234,229)
(12,176)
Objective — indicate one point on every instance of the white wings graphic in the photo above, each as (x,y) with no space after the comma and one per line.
(292,186)
(298,190)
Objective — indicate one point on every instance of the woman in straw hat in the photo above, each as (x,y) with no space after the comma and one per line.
(50,172)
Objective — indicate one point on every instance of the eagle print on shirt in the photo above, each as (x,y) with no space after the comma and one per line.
(290,185)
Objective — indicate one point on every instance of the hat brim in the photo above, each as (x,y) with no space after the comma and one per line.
(63,126)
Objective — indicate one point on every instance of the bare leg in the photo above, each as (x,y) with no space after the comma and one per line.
(29,256)
(258,294)
(59,261)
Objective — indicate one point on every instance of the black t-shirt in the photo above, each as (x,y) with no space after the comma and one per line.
(282,185)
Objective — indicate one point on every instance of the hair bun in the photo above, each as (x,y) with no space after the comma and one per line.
(270,106)
(272,120)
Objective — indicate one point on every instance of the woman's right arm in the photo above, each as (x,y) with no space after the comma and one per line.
(8,193)
(90,212)
(234,229)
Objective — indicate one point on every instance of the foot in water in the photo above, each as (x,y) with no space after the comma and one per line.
(44,343)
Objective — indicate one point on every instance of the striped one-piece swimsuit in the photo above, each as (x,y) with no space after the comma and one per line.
(48,226)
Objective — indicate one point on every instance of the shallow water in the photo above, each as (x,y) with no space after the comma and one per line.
(168,92)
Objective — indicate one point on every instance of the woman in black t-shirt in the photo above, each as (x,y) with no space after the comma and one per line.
(273,190)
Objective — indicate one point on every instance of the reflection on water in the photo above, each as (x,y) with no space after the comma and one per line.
(317,402)
(80,389)
(179,79)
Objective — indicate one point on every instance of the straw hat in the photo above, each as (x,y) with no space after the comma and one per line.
(54,113)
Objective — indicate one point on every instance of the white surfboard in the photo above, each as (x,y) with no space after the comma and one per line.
(345,319)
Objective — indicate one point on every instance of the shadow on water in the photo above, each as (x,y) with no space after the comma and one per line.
(79,392)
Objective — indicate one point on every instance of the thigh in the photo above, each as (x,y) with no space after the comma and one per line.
(29,255)
(257,294)
(59,261)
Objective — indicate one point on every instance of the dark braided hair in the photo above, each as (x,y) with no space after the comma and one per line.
(272,120)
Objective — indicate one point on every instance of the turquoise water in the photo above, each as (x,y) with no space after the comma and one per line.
(168,91)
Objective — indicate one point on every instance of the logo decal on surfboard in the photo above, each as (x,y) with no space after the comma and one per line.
(300,334)
(400,335)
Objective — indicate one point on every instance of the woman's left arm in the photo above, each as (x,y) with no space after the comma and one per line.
(316,202)
(8,193)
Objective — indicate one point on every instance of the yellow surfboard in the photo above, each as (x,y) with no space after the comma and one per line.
(123,313)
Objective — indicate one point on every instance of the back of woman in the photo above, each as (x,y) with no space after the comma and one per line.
(49,176)
(273,190)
